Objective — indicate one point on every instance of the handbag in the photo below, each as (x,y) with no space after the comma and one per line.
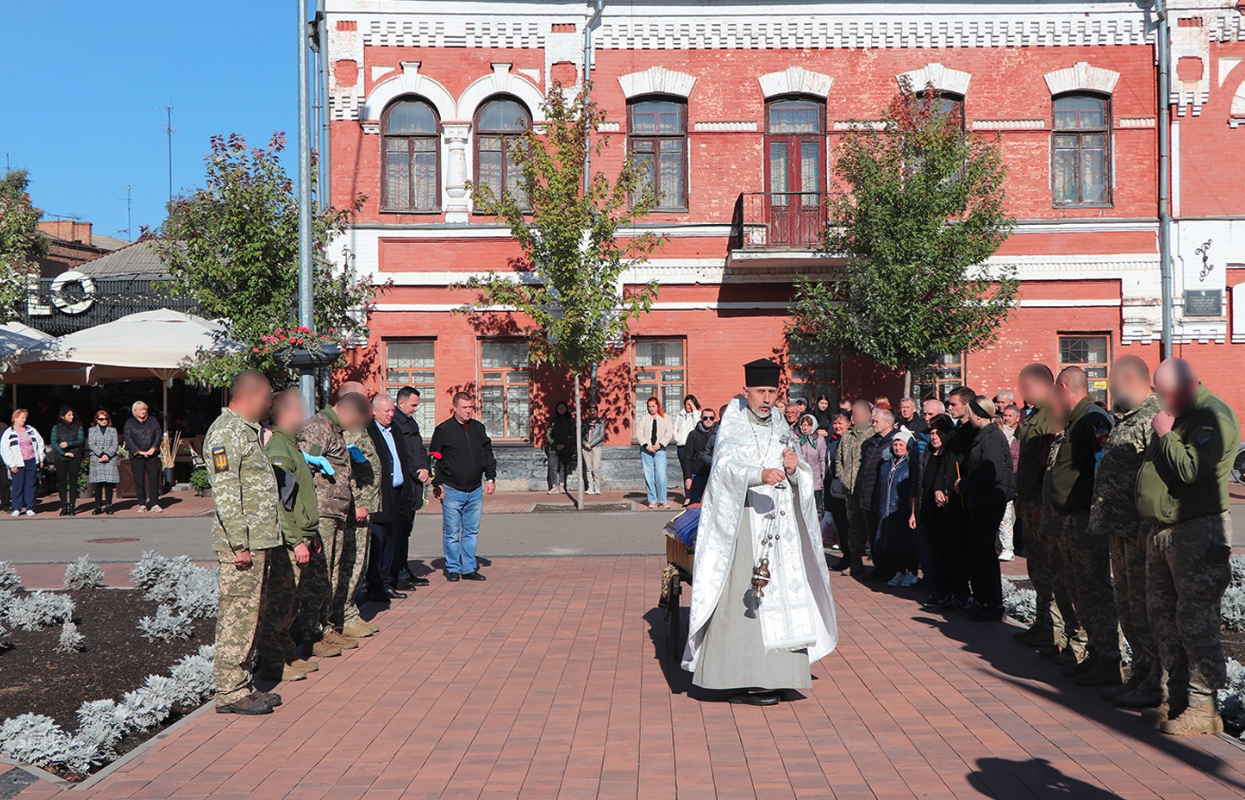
(837,489)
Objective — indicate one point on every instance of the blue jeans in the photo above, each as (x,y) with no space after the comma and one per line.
(654,475)
(24,485)
(460,515)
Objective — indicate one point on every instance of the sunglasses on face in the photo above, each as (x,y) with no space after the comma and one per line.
(706,418)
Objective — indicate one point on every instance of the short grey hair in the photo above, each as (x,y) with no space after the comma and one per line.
(939,406)
(380,400)
(884,414)
(137,405)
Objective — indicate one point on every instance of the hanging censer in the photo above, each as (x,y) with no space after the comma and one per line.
(760,577)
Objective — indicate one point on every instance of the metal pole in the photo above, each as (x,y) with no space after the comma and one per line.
(1164,123)
(326,176)
(579,400)
(306,318)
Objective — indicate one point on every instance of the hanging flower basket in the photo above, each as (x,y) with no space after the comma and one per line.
(303,357)
(300,348)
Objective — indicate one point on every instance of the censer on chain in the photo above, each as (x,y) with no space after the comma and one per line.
(760,577)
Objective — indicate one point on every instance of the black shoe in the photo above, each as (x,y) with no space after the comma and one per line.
(420,581)
(250,705)
(405,574)
(73,510)
(405,586)
(934,602)
(109,511)
(64,511)
(756,698)
(452,577)
(394,594)
(97,510)
(377,597)
(271,698)
(842,566)
(473,576)
(983,614)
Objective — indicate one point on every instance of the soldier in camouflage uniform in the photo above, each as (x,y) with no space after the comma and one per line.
(1069,646)
(1114,514)
(356,552)
(1086,553)
(245,532)
(1036,434)
(1182,490)
(288,565)
(323,437)
(847,469)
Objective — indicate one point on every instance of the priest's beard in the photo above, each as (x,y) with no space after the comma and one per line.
(759,415)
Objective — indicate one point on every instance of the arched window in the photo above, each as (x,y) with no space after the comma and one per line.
(498,124)
(1081,150)
(795,150)
(949,104)
(657,137)
(412,170)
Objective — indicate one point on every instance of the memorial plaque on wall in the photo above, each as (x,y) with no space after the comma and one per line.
(1203,303)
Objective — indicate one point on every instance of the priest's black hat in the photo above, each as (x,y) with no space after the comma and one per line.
(761,372)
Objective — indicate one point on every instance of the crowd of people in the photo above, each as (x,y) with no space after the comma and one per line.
(68,444)
(314,516)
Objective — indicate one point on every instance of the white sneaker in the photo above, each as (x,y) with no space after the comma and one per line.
(140,510)
(897,580)
(554,490)
(910,579)
(16,514)
(30,512)
(1007,555)
(156,510)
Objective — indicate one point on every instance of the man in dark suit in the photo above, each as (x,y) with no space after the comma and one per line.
(404,422)
(398,488)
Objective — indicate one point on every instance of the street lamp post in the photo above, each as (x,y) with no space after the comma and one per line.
(306,319)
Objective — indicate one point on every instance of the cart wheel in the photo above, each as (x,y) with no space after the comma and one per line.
(674,615)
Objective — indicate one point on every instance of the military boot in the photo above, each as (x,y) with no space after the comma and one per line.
(1067,658)
(1023,635)
(325,649)
(305,665)
(1049,651)
(1112,692)
(1197,719)
(282,672)
(1103,672)
(1079,668)
(334,638)
(249,705)
(1141,697)
(358,629)
(1038,637)
(1165,710)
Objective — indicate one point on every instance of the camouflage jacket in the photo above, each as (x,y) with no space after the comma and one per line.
(243,486)
(1035,436)
(365,478)
(300,512)
(1070,475)
(1052,520)
(323,436)
(1115,484)
(847,456)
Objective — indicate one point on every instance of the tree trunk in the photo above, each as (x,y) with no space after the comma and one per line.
(907,385)
(580,472)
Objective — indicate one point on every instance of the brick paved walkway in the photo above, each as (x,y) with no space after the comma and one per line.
(552,681)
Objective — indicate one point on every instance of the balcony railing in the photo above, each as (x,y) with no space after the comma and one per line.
(778,221)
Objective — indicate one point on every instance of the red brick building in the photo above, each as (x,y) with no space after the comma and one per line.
(738,105)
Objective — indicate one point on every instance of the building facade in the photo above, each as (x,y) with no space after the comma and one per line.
(736,108)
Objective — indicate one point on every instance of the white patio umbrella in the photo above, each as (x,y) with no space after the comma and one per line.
(15,339)
(150,344)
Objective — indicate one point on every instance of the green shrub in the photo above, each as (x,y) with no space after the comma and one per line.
(199,481)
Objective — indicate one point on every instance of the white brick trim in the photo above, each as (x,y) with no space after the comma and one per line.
(657,80)
(943,79)
(795,80)
(408,81)
(1081,77)
(1009,124)
(722,126)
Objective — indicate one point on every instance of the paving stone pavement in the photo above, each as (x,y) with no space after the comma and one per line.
(554,680)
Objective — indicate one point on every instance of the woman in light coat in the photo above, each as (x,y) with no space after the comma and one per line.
(654,431)
(21,448)
(102,471)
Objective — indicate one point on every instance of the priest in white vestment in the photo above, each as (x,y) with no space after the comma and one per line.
(761,612)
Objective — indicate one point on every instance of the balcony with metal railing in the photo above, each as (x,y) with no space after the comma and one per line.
(771,222)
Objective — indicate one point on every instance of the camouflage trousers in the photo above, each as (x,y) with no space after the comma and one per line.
(1128,567)
(1087,565)
(355,552)
(1072,635)
(237,624)
(1038,549)
(284,587)
(857,534)
(1186,574)
(324,580)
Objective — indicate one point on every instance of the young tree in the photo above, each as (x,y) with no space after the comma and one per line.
(232,246)
(919,209)
(566,292)
(21,242)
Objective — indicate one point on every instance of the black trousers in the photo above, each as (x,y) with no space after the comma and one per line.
(955,549)
(983,558)
(378,532)
(397,543)
(146,471)
(933,525)
(67,470)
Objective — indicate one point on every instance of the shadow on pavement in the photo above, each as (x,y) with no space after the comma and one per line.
(998,777)
(669,649)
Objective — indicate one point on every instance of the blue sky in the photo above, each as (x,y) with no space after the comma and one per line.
(79,81)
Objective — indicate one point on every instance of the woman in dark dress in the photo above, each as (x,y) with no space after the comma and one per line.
(988,483)
(931,500)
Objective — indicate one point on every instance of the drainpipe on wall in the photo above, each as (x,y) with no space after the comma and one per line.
(1163,44)
(324,194)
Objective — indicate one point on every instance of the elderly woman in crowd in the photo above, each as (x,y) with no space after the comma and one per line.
(102,470)
(937,475)
(142,439)
(21,449)
(812,448)
(987,484)
(896,543)
(67,442)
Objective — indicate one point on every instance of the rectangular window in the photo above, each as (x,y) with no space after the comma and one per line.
(1081,151)
(813,374)
(413,363)
(1090,352)
(940,378)
(657,136)
(505,389)
(659,369)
